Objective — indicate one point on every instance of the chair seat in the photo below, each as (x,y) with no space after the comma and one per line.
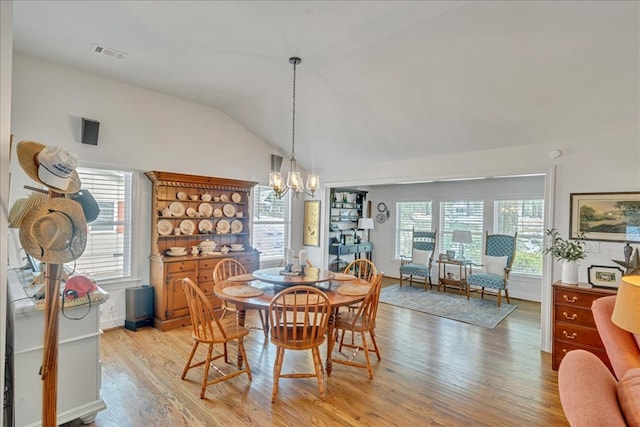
(295,340)
(345,321)
(416,270)
(486,280)
(231,329)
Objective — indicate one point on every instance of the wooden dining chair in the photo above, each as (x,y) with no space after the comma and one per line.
(299,317)
(229,267)
(361,322)
(362,268)
(208,329)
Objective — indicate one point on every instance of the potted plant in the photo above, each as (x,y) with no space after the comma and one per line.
(569,252)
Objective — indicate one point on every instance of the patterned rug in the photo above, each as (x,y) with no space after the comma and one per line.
(476,311)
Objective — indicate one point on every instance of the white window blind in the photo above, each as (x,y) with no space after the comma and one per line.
(527,218)
(410,215)
(108,251)
(271,223)
(462,215)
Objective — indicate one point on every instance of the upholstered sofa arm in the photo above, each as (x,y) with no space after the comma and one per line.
(621,346)
(588,391)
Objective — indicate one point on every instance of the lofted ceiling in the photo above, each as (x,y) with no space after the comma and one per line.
(378,79)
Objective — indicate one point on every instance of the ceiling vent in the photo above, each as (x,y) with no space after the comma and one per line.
(109,52)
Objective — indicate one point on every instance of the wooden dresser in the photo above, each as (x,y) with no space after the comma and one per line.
(573,324)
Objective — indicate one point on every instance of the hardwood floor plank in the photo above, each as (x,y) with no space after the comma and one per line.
(433,371)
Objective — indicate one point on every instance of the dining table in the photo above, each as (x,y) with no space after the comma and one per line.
(260,286)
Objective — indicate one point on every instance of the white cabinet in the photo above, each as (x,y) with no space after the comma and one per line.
(79,368)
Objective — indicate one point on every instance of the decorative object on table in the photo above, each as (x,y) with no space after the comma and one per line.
(365,224)
(302,259)
(451,254)
(606,216)
(569,252)
(423,244)
(461,237)
(383,214)
(625,312)
(311,225)
(55,231)
(499,254)
(476,311)
(294,179)
(604,276)
(631,263)
(53,166)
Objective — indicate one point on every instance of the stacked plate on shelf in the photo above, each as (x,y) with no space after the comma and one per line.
(176,251)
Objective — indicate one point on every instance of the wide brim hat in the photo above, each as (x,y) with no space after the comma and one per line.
(55,231)
(22,206)
(27,152)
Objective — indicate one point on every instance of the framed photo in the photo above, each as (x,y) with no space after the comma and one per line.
(451,254)
(604,276)
(311,223)
(613,217)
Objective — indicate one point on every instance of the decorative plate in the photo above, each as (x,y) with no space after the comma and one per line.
(236,226)
(223,226)
(236,198)
(217,212)
(169,253)
(164,227)
(187,226)
(191,212)
(224,198)
(205,226)
(236,250)
(229,210)
(181,195)
(206,209)
(177,209)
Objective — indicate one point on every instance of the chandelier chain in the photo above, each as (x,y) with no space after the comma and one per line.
(293,125)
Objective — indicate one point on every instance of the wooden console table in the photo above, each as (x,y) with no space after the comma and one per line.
(357,249)
(445,279)
(573,324)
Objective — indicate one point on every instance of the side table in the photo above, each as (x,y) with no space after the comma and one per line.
(448,278)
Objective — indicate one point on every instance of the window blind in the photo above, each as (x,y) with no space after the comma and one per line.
(527,218)
(271,223)
(410,215)
(462,215)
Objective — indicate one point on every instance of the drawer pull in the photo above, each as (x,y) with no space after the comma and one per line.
(574,316)
(571,337)
(572,299)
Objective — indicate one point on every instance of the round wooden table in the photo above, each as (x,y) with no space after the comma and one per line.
(270,289)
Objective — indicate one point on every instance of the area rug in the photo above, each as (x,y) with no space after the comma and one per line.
(476,311)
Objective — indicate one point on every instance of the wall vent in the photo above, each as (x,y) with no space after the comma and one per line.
(109,52)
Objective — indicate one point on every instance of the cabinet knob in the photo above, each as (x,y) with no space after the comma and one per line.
(573,316)
(572,299)
(570,337)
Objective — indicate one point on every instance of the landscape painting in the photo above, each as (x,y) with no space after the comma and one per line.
(606,216)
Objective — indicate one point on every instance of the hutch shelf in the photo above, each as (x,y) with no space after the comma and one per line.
(187,210)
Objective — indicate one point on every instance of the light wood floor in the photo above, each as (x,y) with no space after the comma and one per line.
(433,371)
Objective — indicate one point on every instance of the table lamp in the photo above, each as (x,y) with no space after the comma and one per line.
(626,311)
(462,237)
(365,224)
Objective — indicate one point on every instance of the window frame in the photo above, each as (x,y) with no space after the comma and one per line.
(266,259)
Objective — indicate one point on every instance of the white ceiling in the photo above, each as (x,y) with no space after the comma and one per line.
(379,79)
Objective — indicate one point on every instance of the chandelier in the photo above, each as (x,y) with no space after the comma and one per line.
(294,179)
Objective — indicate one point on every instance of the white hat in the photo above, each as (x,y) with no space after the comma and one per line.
(52,166)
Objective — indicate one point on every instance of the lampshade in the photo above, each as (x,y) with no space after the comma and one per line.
(626,312)
(365,223)
(461,236)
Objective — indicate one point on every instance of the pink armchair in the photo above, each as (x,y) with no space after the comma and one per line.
(590,395)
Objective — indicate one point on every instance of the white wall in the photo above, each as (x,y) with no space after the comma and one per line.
(140,130)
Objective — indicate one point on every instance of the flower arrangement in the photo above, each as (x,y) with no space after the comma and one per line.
(563,249)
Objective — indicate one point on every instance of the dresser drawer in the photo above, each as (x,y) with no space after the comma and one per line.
(205,276)
(178,267)
(206,287)
(577,335)
(562,348)
(575,315)
(575,298)
(208,263)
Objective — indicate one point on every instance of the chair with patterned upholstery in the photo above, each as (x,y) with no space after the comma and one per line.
(423,245)
(499,253)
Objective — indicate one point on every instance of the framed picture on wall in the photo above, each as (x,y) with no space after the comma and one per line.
(604,276)
(311,223)
(611,217)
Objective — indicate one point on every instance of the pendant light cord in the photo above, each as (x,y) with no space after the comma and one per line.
(295,62)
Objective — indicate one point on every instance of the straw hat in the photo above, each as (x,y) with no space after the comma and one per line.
(22,206)
(52,166)
(55,231)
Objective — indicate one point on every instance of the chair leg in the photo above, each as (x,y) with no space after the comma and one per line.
(401,279)
(482,293)
(207,365)
(242,351)
(411,280)
(506,294)
(264,320)
(372,333)
(277,367)
(317,364)
(499,296)
(194,347)
(366,354)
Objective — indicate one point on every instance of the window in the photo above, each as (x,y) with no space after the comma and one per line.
(410,215)
(527,218)
(108,251)
(462,215)
(271,224)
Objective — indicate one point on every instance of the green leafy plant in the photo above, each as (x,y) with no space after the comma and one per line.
(564,249)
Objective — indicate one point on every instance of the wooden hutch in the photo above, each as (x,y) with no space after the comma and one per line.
(201,208)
